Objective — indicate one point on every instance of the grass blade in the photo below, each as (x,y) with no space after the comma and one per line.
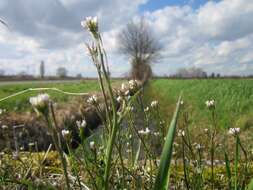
(162,181)
(137,154)
(228,171)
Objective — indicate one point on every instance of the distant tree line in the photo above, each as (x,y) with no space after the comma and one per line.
(194,72)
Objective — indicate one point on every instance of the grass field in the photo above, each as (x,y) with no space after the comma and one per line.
(21,102)
(234,97)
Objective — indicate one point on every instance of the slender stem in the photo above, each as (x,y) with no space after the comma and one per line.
(236,160)
(74,166)
(58,146)
(104,95)
(212,150)
(184,164)
(108,156)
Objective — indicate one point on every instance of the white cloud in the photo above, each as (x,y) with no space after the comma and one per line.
(217,36)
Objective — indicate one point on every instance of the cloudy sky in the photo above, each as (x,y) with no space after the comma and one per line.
(214,35)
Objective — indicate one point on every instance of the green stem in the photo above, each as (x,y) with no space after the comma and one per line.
(108,157)
(236,161)
(58,146)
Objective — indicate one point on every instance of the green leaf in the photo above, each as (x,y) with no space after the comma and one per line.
(162,178)
(250,186)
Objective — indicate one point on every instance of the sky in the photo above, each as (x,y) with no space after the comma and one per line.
(216,36)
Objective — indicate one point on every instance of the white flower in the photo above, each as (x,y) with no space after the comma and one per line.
(92,145)
(198,147)
(65,133)
(40,101)
(144,132)
(156,134)
(154,104)
(127,93)
(181,133)
(31,144)
(181,102)
(90,23)
(146,109)
(233,131)
(206,130)
(81,124)
(92,100)
(210,103)
(123,87)
(4,127)
(162,122)
(119,99)
(132,84)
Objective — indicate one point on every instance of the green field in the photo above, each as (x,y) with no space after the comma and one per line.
(234,97)
(21,102)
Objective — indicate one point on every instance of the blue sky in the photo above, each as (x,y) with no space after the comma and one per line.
(158,4)
(216,36)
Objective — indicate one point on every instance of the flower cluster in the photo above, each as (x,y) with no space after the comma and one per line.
(92,145)
(234,131)
(133,84)
(92,100)
(91,24)
(181,133)
(210,104)
(81,124)
(144,132)
(146,109)
(40,102)
(119,99)
(2,111)
(128,89)
(154,104)
(66,134)
(4,127)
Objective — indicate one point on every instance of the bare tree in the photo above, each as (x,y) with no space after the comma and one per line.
(42,69)
(139,44)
